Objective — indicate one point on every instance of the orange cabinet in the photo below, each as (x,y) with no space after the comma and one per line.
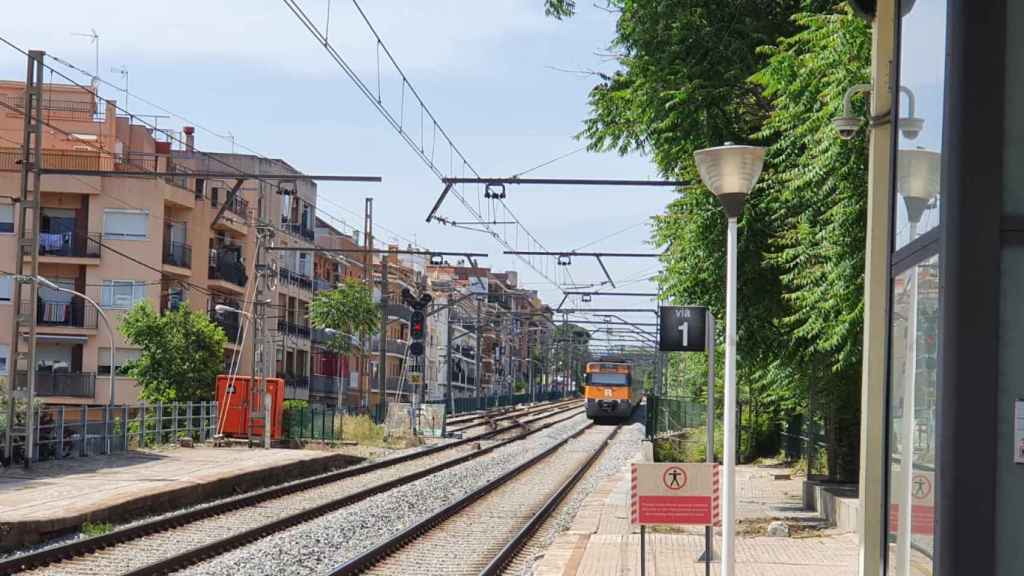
(233,404)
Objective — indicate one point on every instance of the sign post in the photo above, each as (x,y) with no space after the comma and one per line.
(709,445)
(675,494)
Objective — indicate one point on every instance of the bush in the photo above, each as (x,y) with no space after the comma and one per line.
(363,430)
(90,529)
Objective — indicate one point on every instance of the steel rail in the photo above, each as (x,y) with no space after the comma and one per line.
(516,545)
(378,553)
(85,546)
(502,416)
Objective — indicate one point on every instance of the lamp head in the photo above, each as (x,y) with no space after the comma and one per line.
(46,282)
(730,172)
(911,127)
(846,126)
(918,179)
(224,309)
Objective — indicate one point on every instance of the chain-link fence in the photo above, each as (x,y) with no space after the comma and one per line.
(676,425)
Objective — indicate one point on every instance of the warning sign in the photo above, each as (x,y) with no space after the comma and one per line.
(922,504)
(674,493)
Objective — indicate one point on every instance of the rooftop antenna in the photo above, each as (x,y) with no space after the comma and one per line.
(94,39)
(123,71)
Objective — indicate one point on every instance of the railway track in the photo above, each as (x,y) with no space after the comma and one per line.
(483,531)
(171,542)
(491,418)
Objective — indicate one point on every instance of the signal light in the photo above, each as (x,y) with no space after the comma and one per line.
(417,325)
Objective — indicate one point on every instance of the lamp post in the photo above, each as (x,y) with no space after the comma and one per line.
(917,182)
(730,172)
(106,322)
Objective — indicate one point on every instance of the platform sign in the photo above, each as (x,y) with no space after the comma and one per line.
(682,329)
(415,378)
(674,493)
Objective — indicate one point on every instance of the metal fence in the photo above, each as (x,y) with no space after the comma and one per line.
(672,415)
(315,422)
(79,431)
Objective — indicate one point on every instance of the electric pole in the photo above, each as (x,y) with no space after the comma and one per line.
(368,281)
(382,353)
(479,353)
(21,425)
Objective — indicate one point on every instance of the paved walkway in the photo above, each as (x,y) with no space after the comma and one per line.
(55,496)
(601,540)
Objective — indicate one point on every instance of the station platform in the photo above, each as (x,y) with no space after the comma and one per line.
(57,496)
(601,541)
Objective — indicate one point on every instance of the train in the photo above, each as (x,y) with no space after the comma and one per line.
(611,391)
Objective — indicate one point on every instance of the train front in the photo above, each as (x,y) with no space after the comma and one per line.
(608,390)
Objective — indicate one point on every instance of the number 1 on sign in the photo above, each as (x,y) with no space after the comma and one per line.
(685,329)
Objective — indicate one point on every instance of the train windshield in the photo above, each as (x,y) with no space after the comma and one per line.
(609,378)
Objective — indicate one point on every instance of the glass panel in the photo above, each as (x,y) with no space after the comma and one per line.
(919,140)
(912,401)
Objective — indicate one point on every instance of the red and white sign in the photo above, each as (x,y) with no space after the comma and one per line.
(674,493)
(922,504)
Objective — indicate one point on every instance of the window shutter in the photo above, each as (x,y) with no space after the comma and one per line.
(125,224)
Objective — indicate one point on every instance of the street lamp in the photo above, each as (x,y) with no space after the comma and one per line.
(730,172)
(106,322)
(918,174)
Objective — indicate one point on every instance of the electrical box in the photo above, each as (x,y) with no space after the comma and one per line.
(233,406)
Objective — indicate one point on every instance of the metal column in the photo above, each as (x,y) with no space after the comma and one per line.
(20,399)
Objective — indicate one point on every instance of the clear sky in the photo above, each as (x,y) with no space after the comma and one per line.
(492,72)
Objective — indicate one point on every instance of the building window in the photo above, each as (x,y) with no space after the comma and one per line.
(123,294)
(122,356)
(6,218)
(5,352)
(6,288)
(125,224)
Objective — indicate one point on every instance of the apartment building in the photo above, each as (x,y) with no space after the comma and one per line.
(338,378)
(285,207)
(119,240)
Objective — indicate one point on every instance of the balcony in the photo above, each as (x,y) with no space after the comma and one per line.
(321,285)
(73,313)
(397,347)
(299,231)
(301,281)
(229,323)
(320,385)
(76,384)
(293,329)
(296,387)
(237,212)
(59,245)
(178,254)
(227,272)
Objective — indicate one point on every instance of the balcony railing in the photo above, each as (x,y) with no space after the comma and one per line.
(74,313)
(298,230)
(294,278)
(294,329)
(392,347)
(77,384)
(229,323)
(320,285)
(178,254)
(296,387)
(68,244)
(321,385)
(229,272)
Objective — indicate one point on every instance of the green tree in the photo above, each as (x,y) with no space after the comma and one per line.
(697,73)
(349,310)
(182,352)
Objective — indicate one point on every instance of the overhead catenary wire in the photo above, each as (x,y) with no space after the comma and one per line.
(398,123)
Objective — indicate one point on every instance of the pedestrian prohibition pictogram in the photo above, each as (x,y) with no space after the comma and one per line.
(674,478)
(921,487)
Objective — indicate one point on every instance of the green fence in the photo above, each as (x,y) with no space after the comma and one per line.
(670,416)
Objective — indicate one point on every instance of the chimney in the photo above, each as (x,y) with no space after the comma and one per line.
(190,138)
